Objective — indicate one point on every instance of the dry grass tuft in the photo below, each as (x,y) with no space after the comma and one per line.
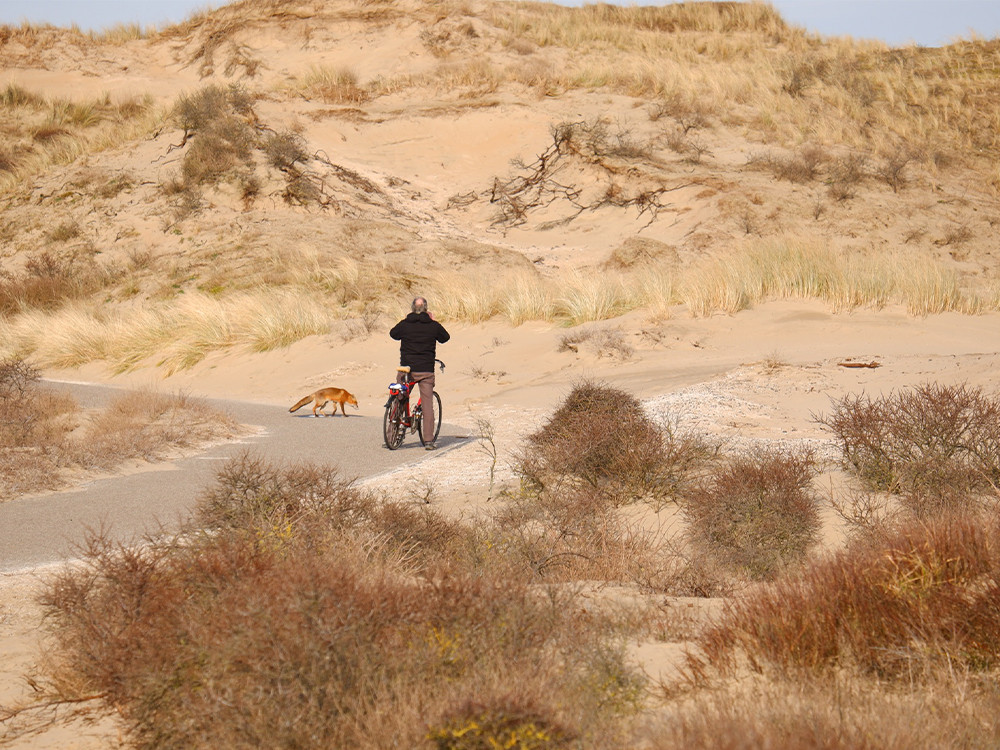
(332,86)
(174,336)
(40,133)
(45,438)
(841,711)
(792,268)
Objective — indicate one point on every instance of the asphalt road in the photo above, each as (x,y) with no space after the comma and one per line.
(37,530)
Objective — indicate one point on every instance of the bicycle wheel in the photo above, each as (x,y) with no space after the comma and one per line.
(437,420)
(393,429)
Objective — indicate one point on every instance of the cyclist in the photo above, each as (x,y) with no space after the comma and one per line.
(418,335)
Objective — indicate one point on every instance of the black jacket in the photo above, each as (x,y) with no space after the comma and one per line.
(419,336)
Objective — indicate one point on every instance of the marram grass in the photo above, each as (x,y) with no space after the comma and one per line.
(174,337)
(180,333)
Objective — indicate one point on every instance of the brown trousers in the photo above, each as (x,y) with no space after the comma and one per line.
(425,382)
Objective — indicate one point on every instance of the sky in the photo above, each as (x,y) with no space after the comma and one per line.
(929,23)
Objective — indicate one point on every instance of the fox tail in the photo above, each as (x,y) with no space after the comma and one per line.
(301,403)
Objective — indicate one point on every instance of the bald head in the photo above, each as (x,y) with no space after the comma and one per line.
(419,305)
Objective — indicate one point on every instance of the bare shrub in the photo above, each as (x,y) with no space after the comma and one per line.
(802,166)
(43,434)
(301,190)
(34,423)
(250,492)
(148,425)
(569,532)
(757,514)
(695,148)
(601,438)
(285,149)
(845,175)
(935,444)
(589,145)
(867,514)
(18,402)
(314,634)
(688,112)
(220,122)
(18,380)
(892,168)
(922,600)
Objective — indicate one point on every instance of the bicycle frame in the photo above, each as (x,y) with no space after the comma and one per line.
(401,391)
(398,416)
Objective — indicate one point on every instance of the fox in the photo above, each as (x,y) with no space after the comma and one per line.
(325,396)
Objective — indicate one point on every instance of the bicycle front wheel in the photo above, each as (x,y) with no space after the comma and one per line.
(437,421)
(393,428)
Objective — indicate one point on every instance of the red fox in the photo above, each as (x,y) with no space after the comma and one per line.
(325,396)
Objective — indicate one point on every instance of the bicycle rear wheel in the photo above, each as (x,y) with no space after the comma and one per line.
(393,429)
(437,421)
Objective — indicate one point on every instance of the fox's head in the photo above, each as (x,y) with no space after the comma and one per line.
(352,401)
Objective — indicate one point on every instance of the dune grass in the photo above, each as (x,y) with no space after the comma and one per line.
(43,132)
(331,85)
(791,268)
(313,292)
(174,336)
(753,273)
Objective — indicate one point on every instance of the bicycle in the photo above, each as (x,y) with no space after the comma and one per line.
(398,418)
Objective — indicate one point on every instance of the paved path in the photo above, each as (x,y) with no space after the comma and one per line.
(46,528)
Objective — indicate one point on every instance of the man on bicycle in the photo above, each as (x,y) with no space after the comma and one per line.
(418,335)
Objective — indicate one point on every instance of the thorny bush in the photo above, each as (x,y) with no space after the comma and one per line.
(602,438)
(296,622)
(936,445)
(758,514)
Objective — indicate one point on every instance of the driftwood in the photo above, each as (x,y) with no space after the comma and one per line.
(871,364)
